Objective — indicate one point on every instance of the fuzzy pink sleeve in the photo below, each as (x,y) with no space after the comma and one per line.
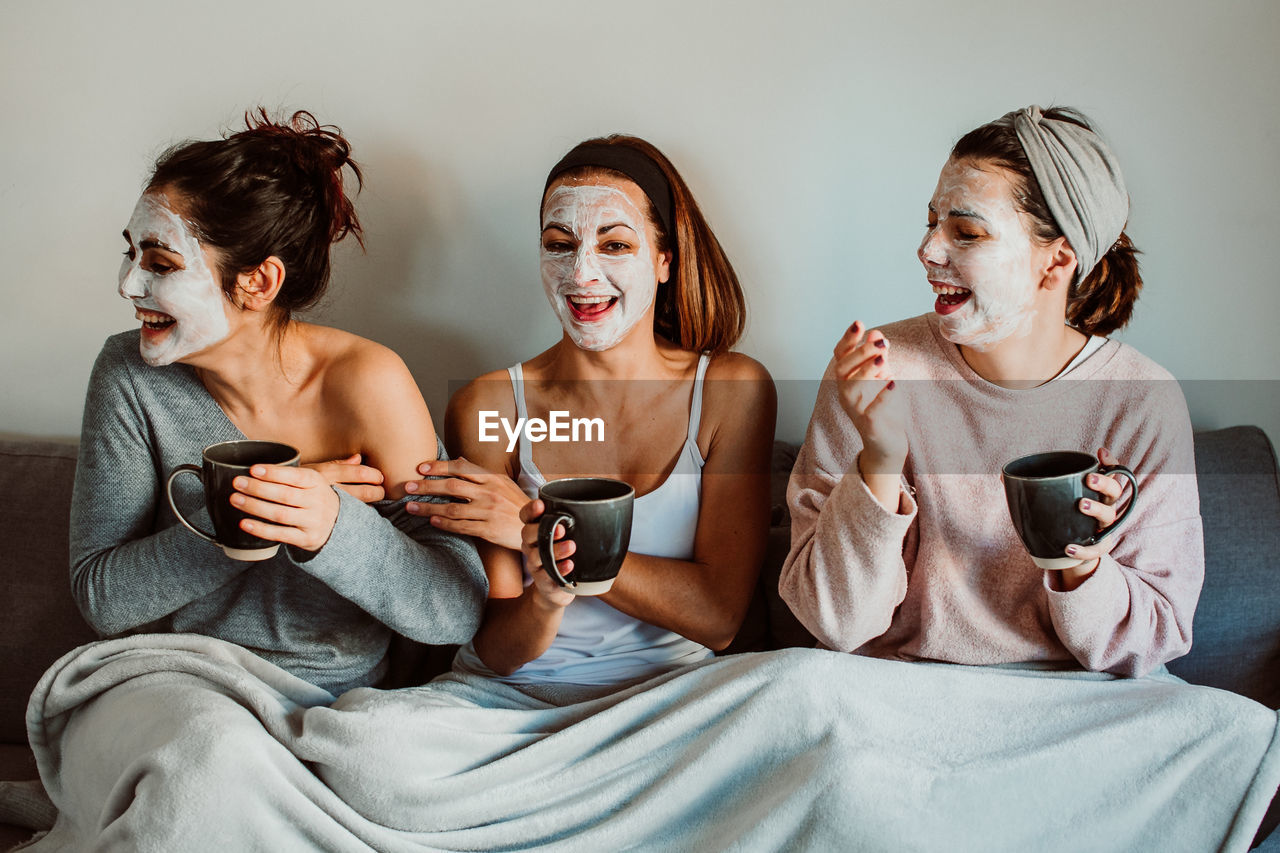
(844,576)
(1134,612)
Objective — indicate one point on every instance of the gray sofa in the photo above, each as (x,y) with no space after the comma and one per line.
(1236,634)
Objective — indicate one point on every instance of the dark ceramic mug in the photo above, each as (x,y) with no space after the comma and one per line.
(596,514)
(221,464)
(1044,491)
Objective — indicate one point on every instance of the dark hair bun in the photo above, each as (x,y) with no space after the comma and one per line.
(318,151)
(272,189)
(1103,302)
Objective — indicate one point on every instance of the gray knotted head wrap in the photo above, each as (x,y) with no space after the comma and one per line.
(1080,180)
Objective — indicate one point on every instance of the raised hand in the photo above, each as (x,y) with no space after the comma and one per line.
(869,396)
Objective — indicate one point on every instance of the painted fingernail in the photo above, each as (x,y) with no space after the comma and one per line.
(880,343)
(1086,504)
(879,360)
(853,328)
(1072,550)
(891,385)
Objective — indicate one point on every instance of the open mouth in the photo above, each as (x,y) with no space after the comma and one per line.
(950,297)
(586,309)
(153,321)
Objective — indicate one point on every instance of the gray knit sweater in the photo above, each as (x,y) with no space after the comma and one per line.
(327,617)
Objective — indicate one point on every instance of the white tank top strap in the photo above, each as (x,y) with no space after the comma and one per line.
(695,406)
(516,372)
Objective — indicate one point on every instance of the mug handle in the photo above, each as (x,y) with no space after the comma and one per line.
(547,529)
(168,492)
(1133,499)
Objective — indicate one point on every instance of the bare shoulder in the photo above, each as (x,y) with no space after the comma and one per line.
(734,381)
(365,381)
(373,403)
(350,358)
(489,391)
(482,401)
(739,403)
(371,383)
(739,366)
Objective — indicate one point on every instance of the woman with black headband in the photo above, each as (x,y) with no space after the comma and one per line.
(649,306)
(902,545)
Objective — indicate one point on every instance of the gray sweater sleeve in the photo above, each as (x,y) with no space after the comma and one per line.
(418,580)
(126,569)
(133,567)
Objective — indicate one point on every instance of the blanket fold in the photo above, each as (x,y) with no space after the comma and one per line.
(181,742)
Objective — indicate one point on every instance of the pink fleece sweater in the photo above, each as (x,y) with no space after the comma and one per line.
(946,578)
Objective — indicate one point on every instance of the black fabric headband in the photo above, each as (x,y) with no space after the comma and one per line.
(630,162)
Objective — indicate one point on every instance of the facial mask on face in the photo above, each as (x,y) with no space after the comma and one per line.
(598,295)
(182,310)
(996,270)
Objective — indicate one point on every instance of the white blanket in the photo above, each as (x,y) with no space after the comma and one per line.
(184,743)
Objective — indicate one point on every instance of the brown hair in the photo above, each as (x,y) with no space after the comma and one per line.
(274,188)
(1103,301)
(701,307)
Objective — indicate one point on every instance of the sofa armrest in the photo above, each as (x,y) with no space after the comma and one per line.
(1236,633)
(39,621)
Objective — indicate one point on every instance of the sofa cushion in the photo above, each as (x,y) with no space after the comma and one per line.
(40,620)
(1236,633)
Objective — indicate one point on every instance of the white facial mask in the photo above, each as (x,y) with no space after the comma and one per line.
(995,268)
(587,268)
(190,297)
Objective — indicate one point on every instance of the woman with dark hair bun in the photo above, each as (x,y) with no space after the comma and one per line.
(229,240)
(901,543)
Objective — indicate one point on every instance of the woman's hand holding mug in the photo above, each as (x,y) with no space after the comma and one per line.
(293,506)
(1110,486)
(549,592)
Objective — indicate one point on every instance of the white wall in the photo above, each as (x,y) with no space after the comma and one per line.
(812,137)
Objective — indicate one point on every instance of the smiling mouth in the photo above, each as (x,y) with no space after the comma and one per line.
(586,309)
(153,321)
(949,296)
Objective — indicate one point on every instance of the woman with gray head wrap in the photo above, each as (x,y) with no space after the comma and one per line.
(1030,269)
(901,542)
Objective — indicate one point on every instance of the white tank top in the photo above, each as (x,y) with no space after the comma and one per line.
(597,644)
